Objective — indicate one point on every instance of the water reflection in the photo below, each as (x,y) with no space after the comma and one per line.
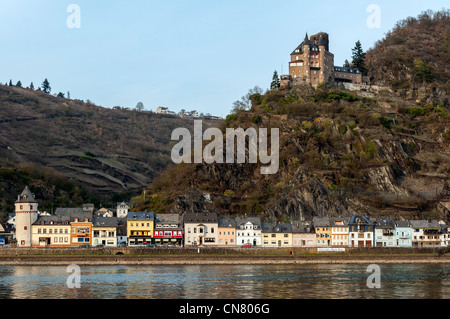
(228,281)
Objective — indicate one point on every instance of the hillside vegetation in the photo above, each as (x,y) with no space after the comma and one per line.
(415,53)
(69,151)
(341,153)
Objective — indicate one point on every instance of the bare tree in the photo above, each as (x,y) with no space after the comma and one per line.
(245,103)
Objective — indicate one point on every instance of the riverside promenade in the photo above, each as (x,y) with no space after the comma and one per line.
(217,256)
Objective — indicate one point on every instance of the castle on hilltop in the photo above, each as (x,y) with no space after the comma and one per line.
(312,63)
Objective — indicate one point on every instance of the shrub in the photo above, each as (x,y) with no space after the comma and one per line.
(230,118)
(416,111)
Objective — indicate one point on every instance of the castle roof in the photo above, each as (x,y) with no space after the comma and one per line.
(306,41)
(26,197)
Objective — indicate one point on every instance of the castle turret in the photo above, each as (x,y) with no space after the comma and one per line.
(26,209)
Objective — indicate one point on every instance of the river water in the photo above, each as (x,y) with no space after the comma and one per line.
(431,281)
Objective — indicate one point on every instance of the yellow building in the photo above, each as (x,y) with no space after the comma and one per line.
(276,235)
(140,228)
(322,228)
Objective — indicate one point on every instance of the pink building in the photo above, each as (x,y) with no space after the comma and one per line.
(303,235)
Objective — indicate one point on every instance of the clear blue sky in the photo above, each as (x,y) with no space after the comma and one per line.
(187,54)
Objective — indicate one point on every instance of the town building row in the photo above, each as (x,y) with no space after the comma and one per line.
(85,227)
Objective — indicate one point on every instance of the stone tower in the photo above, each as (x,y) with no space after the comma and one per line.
(311,62)
(26,209)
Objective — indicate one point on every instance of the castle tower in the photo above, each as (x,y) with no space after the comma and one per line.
(322,49)
(26,209)
(311,62)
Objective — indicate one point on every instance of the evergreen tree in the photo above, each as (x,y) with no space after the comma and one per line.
(275,85)
(46,86)
(359,58)
(31,86)
(346,64)
(19,84)
(10,83)
(60,94)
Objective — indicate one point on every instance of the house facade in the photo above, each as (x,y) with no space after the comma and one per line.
(201,229)
(248,231)
(303,235)
(104,231)
(322,227)
(385,233)
(81,229)
(52,231)
(227,232)
(361,232)
(276,235)
(168,230)
(425,233)
(140,227)
(122,209)
(403,233)
(339,232)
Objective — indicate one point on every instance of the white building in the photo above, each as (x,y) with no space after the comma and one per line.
(201,229)
(385,233)
(425,233)
(122,210)
(248,231)
(361,232)
(104,231)
(26,209)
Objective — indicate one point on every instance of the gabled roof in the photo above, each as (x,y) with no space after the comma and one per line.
(321,221)
(253,220)
(425,224)
(201,218)
(302,227)
(227,223)
(52,220)
(167,219)
(100,221)
(276,228)
(141,216)
(26,196)
(385,223)
(359,219)
(69,211)
(402,223)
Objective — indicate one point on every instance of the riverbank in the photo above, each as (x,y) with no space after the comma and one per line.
(102,260)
